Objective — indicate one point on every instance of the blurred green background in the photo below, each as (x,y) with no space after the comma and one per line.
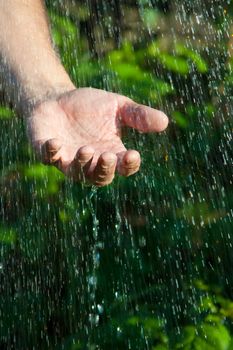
(145,263)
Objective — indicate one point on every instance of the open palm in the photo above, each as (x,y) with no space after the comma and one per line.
(79,132)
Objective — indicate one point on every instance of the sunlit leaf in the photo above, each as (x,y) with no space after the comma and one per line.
(200,62)
(180,119)
(40,171)
(176,63)
(205,337)
(6,113)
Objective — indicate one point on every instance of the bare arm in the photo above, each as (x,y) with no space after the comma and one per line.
(30,68)
(77,130)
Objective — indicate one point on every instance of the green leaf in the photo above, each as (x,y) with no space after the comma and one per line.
(133,321)
(200,63)
(226,306)
(180,119)
(187,337)
(125,54)
(40,172)
(6,113)
(213,318)
(206,336)
(174,63)
(216,335)
(230,347)
(7,235)
(47,178)
(209,109)
(88,68)
(64,24)
(152,324)
(57,36)
(160,347)
(128,71)
(207,304)
(201,285)
(161,88)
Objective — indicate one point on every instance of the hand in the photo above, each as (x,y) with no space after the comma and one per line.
(79,132)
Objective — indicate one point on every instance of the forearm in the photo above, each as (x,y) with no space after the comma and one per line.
(29,67)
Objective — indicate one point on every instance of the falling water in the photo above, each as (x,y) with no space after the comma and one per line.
(145,263)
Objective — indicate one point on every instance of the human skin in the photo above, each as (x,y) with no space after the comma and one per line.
(76,129)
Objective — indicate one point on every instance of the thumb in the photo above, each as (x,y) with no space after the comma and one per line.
(142,118)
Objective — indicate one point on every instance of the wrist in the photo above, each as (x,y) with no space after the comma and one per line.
(40,90)
(49,92)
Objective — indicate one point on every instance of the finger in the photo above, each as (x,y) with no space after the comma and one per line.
(105,169)
(84,155)
(50,151)
(128,162)
(140,117)
(81,163)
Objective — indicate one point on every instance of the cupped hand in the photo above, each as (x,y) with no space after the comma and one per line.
(80,133)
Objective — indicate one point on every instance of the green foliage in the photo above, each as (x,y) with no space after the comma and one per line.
(126,64)
(6,113)
(180,62)
(47,179)
(207,336)
(195,57)
(180,119)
